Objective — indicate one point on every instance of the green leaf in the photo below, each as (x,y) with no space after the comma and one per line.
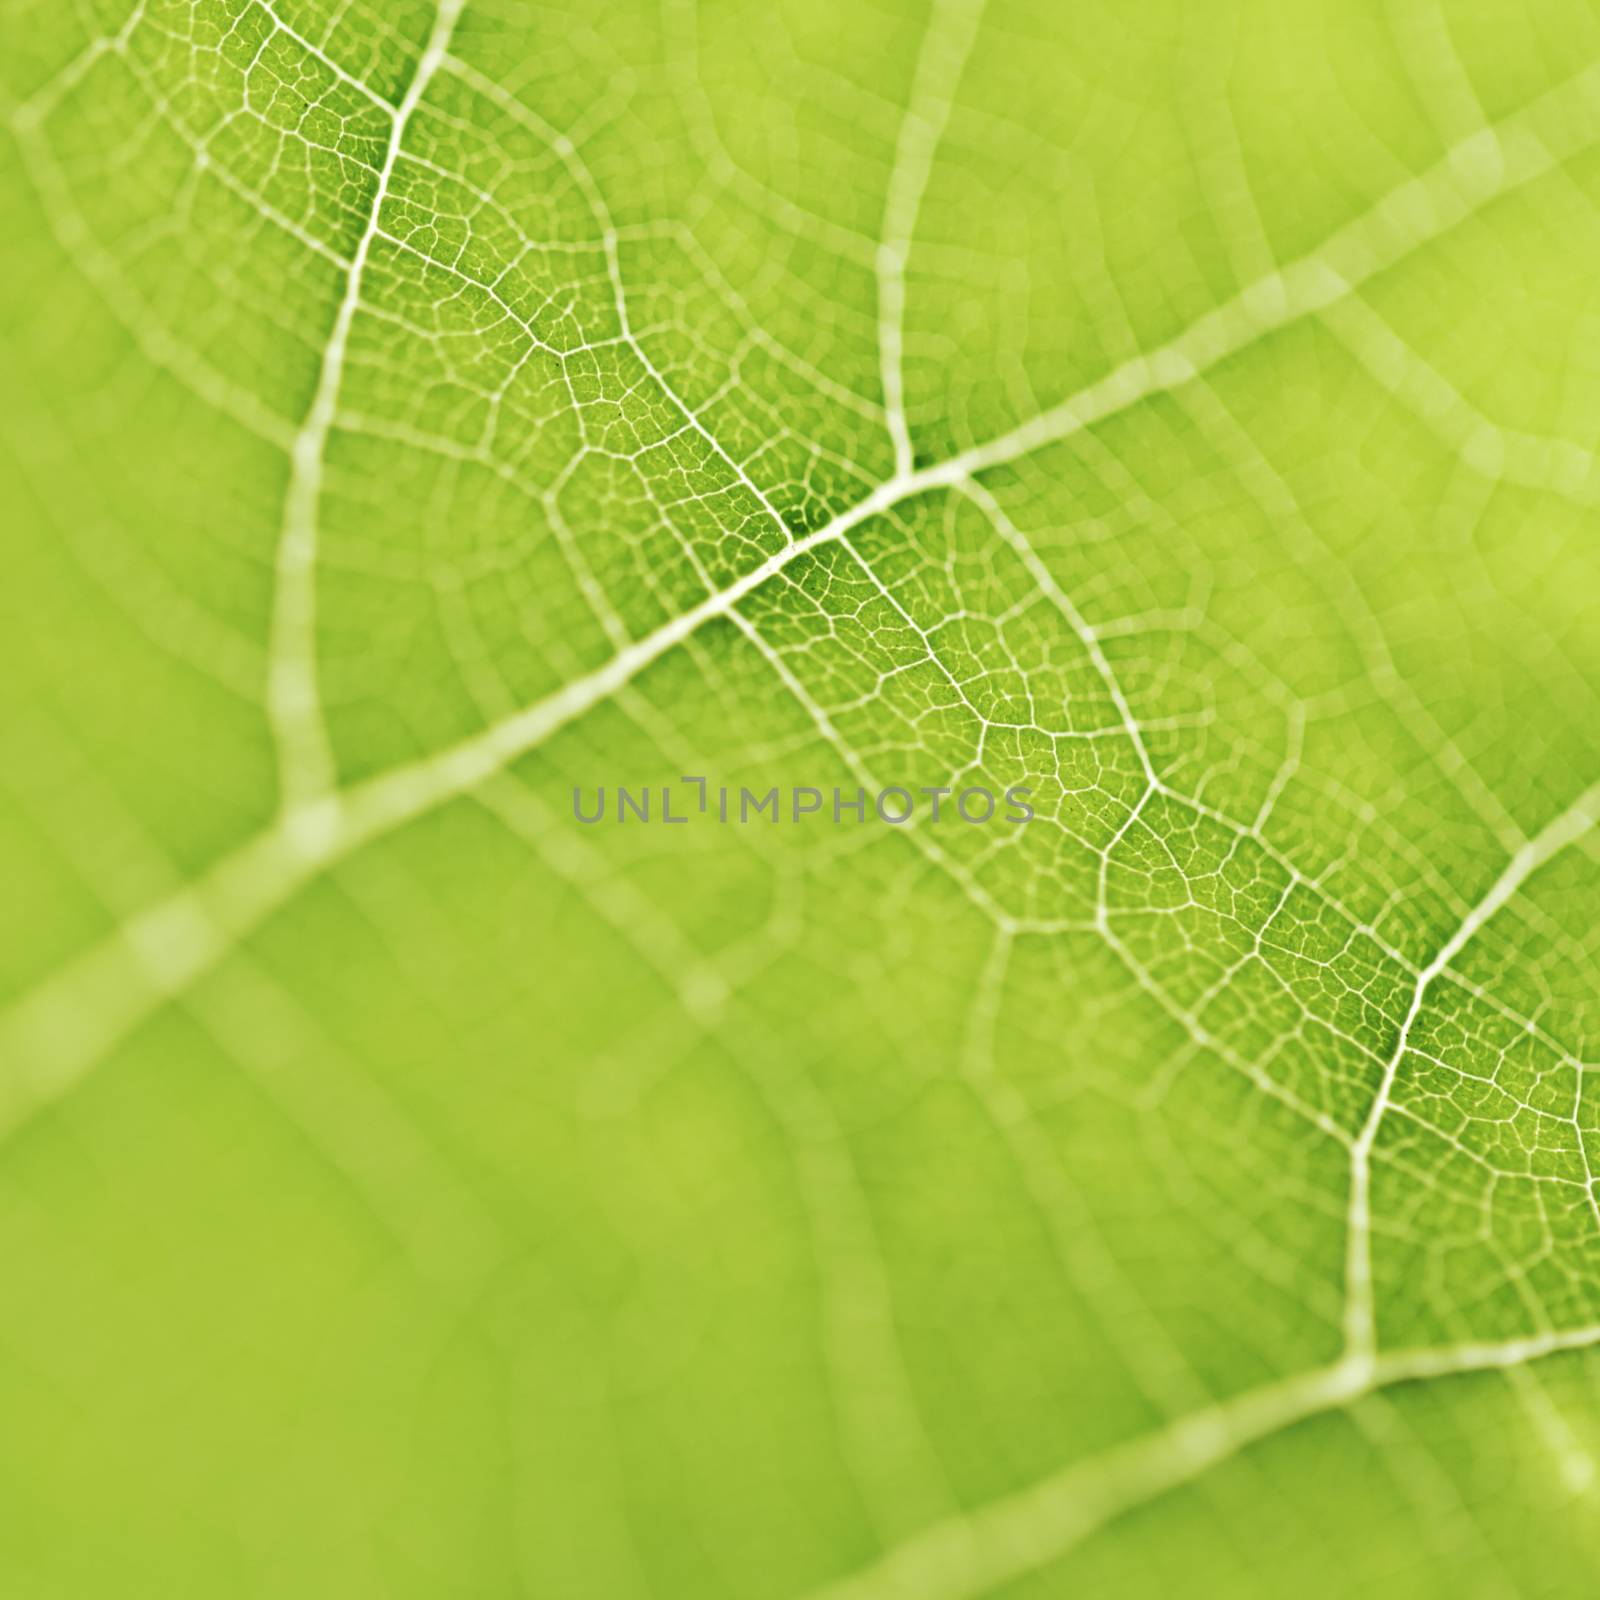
(421,413)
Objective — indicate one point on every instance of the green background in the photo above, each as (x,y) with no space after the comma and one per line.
(1185,409)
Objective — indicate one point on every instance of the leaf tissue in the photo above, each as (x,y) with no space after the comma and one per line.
(800,799)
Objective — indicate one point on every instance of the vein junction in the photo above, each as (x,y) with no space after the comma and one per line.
(58,1033)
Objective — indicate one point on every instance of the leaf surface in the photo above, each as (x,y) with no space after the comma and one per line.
(419,413)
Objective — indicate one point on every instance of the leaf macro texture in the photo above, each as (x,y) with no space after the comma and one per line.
(420,415)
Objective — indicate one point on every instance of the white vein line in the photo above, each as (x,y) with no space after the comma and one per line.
(305,760)
(1478,170)
(1499,454)
(568,155)
(60,1028)
(982,1550)
(28,117)
(1360,1329)
(184,364)
(1045,581)
(946,44)
(345,77)
(56,1033)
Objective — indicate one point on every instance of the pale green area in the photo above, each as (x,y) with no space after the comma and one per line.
(407,1193)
